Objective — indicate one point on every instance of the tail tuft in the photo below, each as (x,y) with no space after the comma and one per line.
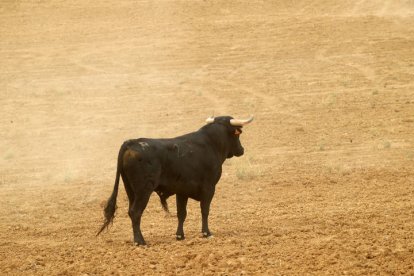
(109,213)
(110,208)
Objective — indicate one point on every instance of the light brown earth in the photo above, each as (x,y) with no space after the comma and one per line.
(326,184)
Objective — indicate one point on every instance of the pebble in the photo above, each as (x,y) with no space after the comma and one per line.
(242,259)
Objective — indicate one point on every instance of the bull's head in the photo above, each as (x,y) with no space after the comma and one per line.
(233,131)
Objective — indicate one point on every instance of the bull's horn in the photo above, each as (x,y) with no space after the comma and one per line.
(210,120)
(238,122)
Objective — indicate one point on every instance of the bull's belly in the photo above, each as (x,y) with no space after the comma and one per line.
(192,189)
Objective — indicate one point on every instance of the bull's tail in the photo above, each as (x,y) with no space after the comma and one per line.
(110,208)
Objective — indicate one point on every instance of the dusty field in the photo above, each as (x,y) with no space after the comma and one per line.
(327,182)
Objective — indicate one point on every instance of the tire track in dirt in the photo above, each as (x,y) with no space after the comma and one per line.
(365,70)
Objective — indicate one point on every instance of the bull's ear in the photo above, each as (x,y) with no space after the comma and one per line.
(237,132)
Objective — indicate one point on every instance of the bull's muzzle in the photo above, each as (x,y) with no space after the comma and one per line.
(240,152)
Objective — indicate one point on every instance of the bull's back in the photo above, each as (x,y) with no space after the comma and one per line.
(181,165)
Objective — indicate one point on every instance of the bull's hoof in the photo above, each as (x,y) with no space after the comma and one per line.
(144,244)
(180,237)
(207,235)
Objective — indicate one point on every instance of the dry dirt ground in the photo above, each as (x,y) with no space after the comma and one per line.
(326,184)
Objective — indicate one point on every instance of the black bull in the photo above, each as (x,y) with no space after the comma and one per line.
(189,166)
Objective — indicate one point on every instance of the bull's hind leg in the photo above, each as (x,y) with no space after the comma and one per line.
(128,189)
(181,215)
(135,213)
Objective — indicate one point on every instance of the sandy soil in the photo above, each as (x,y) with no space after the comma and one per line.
(327,182)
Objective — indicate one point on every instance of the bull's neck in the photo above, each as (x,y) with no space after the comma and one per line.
(217,136)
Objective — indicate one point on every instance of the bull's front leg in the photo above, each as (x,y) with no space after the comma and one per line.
(205,210)
(181,215)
